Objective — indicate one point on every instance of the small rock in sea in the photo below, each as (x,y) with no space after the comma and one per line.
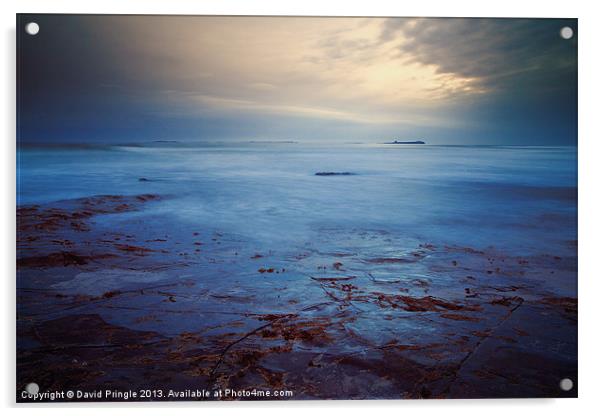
(334,173)
(143,180)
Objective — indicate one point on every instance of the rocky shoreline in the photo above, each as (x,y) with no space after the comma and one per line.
(107,307)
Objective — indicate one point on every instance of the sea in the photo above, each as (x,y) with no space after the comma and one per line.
(519,199)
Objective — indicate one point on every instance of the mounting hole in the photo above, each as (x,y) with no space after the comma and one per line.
(566,384)
(32,388)
(566,32)
(32,28)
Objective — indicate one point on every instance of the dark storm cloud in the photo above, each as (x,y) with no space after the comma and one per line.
(528,71)
(500,53)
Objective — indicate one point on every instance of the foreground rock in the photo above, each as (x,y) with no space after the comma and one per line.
(113,297)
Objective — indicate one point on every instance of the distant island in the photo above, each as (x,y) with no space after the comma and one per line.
(412,142)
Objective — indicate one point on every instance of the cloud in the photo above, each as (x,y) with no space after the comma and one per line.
(187,104)
(302,67)
(262,86)
(404,74)
(495,53)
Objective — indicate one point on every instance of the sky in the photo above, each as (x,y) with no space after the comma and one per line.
(126,79)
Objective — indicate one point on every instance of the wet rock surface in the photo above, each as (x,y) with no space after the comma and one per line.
(111,298)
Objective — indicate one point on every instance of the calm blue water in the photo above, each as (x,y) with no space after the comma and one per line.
(520,199)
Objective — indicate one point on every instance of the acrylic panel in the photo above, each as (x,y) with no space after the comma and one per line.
(292,208)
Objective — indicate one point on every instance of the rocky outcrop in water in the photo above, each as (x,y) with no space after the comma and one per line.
(334,173)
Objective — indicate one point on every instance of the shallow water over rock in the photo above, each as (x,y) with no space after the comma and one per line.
(362,315)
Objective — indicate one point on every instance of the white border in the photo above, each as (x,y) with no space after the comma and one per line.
(590,207)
